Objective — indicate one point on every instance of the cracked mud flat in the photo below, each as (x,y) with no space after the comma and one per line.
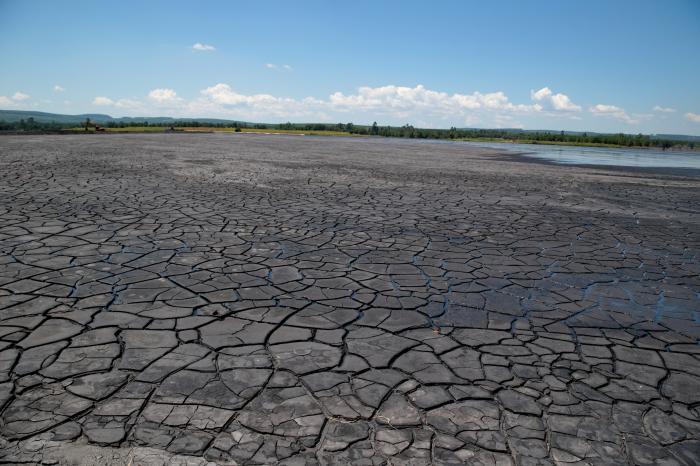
(242,299)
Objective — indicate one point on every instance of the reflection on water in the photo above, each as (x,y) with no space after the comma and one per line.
(604,156)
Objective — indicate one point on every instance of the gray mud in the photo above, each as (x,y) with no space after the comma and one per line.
(246,299)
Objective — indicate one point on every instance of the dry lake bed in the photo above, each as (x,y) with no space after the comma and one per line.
(246,299)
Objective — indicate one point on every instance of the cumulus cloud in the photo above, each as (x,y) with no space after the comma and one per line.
(102,101)
(613,112)
(605,109)
(398,98)
(163,96)
(394,104)
(19,96)
(694,117)
(16,100)
(661,109)
(159,98)
(549,100)
(391,104)
(124,104)
(274,66)
(223,94)
(129,104)
(58,88)
(223,99)
(203,47)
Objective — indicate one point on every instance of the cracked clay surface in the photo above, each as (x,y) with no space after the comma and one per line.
(211,299)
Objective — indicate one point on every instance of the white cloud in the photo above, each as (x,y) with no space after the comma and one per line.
(222,99)
(163,95)
(274,66)
(125,104)
(661,109)
(694,117)
(398,98)
(606,109)
(391,104)
(16,100)
(19,96)
(129,104)
(541,94)
(562,102)
(553,101)
(102,101)
(203,47)
(223,94)
(613,112)
(58,88)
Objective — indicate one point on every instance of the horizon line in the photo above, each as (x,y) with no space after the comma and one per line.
(229,120)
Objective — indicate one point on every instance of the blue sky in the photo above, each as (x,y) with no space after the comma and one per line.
(627,66)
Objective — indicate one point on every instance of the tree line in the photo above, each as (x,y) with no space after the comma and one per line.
(511,135)
(405,131)
(409,131)
(32,125)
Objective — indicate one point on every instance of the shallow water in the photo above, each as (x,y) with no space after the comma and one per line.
(569,155)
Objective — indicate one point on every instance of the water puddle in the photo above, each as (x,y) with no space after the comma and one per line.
(571,155)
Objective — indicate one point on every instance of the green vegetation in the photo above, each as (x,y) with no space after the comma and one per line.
(523,137)
(30,124)
(350,129)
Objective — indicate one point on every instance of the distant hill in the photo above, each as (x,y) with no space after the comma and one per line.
(44,117)
(14,116)
(678,137)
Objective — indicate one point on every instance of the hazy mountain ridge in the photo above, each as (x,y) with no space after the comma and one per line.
(46,117)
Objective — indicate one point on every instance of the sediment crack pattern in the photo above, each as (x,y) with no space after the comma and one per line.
(247,299)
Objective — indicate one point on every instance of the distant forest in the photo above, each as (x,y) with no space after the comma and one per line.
(406,131)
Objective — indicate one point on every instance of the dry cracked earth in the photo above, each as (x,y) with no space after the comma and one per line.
(239,299)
